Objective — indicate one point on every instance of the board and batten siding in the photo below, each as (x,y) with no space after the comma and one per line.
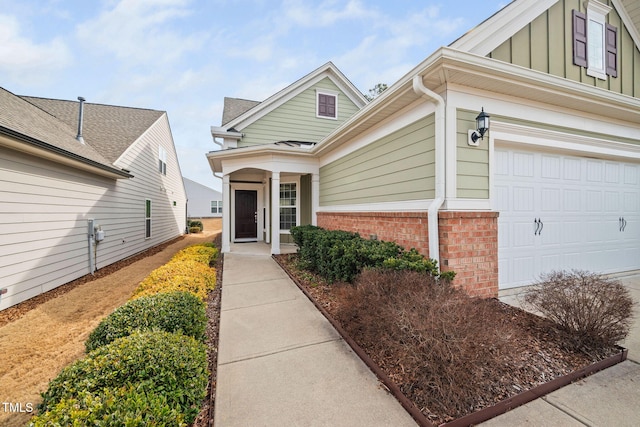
(472,162)
(296,119)
(397,167)
(44,208)
(546,45)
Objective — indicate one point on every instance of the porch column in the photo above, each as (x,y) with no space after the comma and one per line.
(226,214)
(275,213)
(315,197)
(267,211)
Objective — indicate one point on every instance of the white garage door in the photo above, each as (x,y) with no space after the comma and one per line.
(564,212)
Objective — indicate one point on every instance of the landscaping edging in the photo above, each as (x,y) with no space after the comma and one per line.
(478,416)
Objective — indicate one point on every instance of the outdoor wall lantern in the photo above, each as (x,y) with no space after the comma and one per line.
(482,126)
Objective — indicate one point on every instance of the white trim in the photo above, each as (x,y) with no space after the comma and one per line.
(259,188)
(487,36)
(509,134)
(467,205)
(290,180)
(596,13)
(404,206)
(327,93)
(628,22)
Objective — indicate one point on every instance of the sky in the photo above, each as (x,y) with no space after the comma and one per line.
(185,56)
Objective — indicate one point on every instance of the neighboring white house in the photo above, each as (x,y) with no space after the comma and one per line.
(115,180)
(202,201)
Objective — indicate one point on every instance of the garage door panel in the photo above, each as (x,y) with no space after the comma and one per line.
(581,203)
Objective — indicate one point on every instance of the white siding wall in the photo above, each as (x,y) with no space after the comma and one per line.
(44,208)
(200,198)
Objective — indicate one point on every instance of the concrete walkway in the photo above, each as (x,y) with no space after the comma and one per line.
(607,398)
(281,363)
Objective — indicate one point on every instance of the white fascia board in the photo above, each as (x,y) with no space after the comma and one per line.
(628,22)
(272,158)
(490,34)
(222,132)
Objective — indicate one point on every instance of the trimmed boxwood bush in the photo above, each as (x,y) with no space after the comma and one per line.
(196,223)
(184,275)
(340,255)
(164,364)
(205,253)
(180,312)
(126,406)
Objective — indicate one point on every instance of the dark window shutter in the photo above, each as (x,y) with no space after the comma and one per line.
(579,38)
(611,42)
(326,105)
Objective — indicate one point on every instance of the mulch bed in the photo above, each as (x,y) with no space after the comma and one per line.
(534,353)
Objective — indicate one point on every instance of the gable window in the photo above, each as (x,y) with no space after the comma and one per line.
(288,206)
(216,206)
(162,161)
(595,43)
(327,105)
(147,219)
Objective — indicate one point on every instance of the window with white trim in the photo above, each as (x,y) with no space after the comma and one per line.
(147,219)
(288,205)
(162,160)
(326,105)
(595,42)
(216,206)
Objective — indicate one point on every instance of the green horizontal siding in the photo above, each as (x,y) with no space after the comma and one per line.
(546,45)
(296,119)
(472,162)
(397,167)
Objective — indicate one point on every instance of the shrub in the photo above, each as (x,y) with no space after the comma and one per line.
(182,275)
(340,255)
(179,312)
(154,363)
(126,406)
(196,223)
(592,309)
(205,253)
(439,337)
(194,230)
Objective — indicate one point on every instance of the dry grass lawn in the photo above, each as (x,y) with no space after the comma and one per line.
(35,347)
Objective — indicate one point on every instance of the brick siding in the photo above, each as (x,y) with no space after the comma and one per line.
(468,240)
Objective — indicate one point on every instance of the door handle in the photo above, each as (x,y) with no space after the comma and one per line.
(255,217)
(539,226)
(624,223)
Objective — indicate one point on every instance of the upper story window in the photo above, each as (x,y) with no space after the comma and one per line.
(162,161)
(595,43)
(327,105)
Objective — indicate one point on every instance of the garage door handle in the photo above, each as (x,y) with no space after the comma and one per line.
(538,226)
(623,223)
(541,227)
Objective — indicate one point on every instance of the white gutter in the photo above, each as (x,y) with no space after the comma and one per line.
(438,200)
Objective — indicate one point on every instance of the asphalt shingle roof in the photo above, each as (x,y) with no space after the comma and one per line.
(235,107)
(109,129)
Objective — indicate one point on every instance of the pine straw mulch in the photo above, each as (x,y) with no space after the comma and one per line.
(476,354)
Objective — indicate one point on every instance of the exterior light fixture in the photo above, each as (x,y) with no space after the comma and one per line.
(482,126)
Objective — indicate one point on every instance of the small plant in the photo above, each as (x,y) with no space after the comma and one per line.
(152,363)
(196,223)
(171,312)
(592,309)
(194,230)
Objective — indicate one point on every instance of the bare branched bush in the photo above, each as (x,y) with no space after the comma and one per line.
(431,332)
(593,310)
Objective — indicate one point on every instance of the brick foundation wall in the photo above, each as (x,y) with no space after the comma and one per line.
(468,240)
(469,246)
(408,229)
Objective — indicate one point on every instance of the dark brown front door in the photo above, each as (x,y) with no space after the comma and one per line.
(246,214)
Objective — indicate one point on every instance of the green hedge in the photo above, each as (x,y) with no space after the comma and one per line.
(180,312)
(196,223)
(166,370)
(340,255)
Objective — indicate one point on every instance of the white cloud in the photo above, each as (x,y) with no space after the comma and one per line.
(139,32)
(325,14)
(27,61)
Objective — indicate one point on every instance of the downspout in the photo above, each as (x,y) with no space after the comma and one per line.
(436,204)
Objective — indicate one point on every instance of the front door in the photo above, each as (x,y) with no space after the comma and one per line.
(246,214)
